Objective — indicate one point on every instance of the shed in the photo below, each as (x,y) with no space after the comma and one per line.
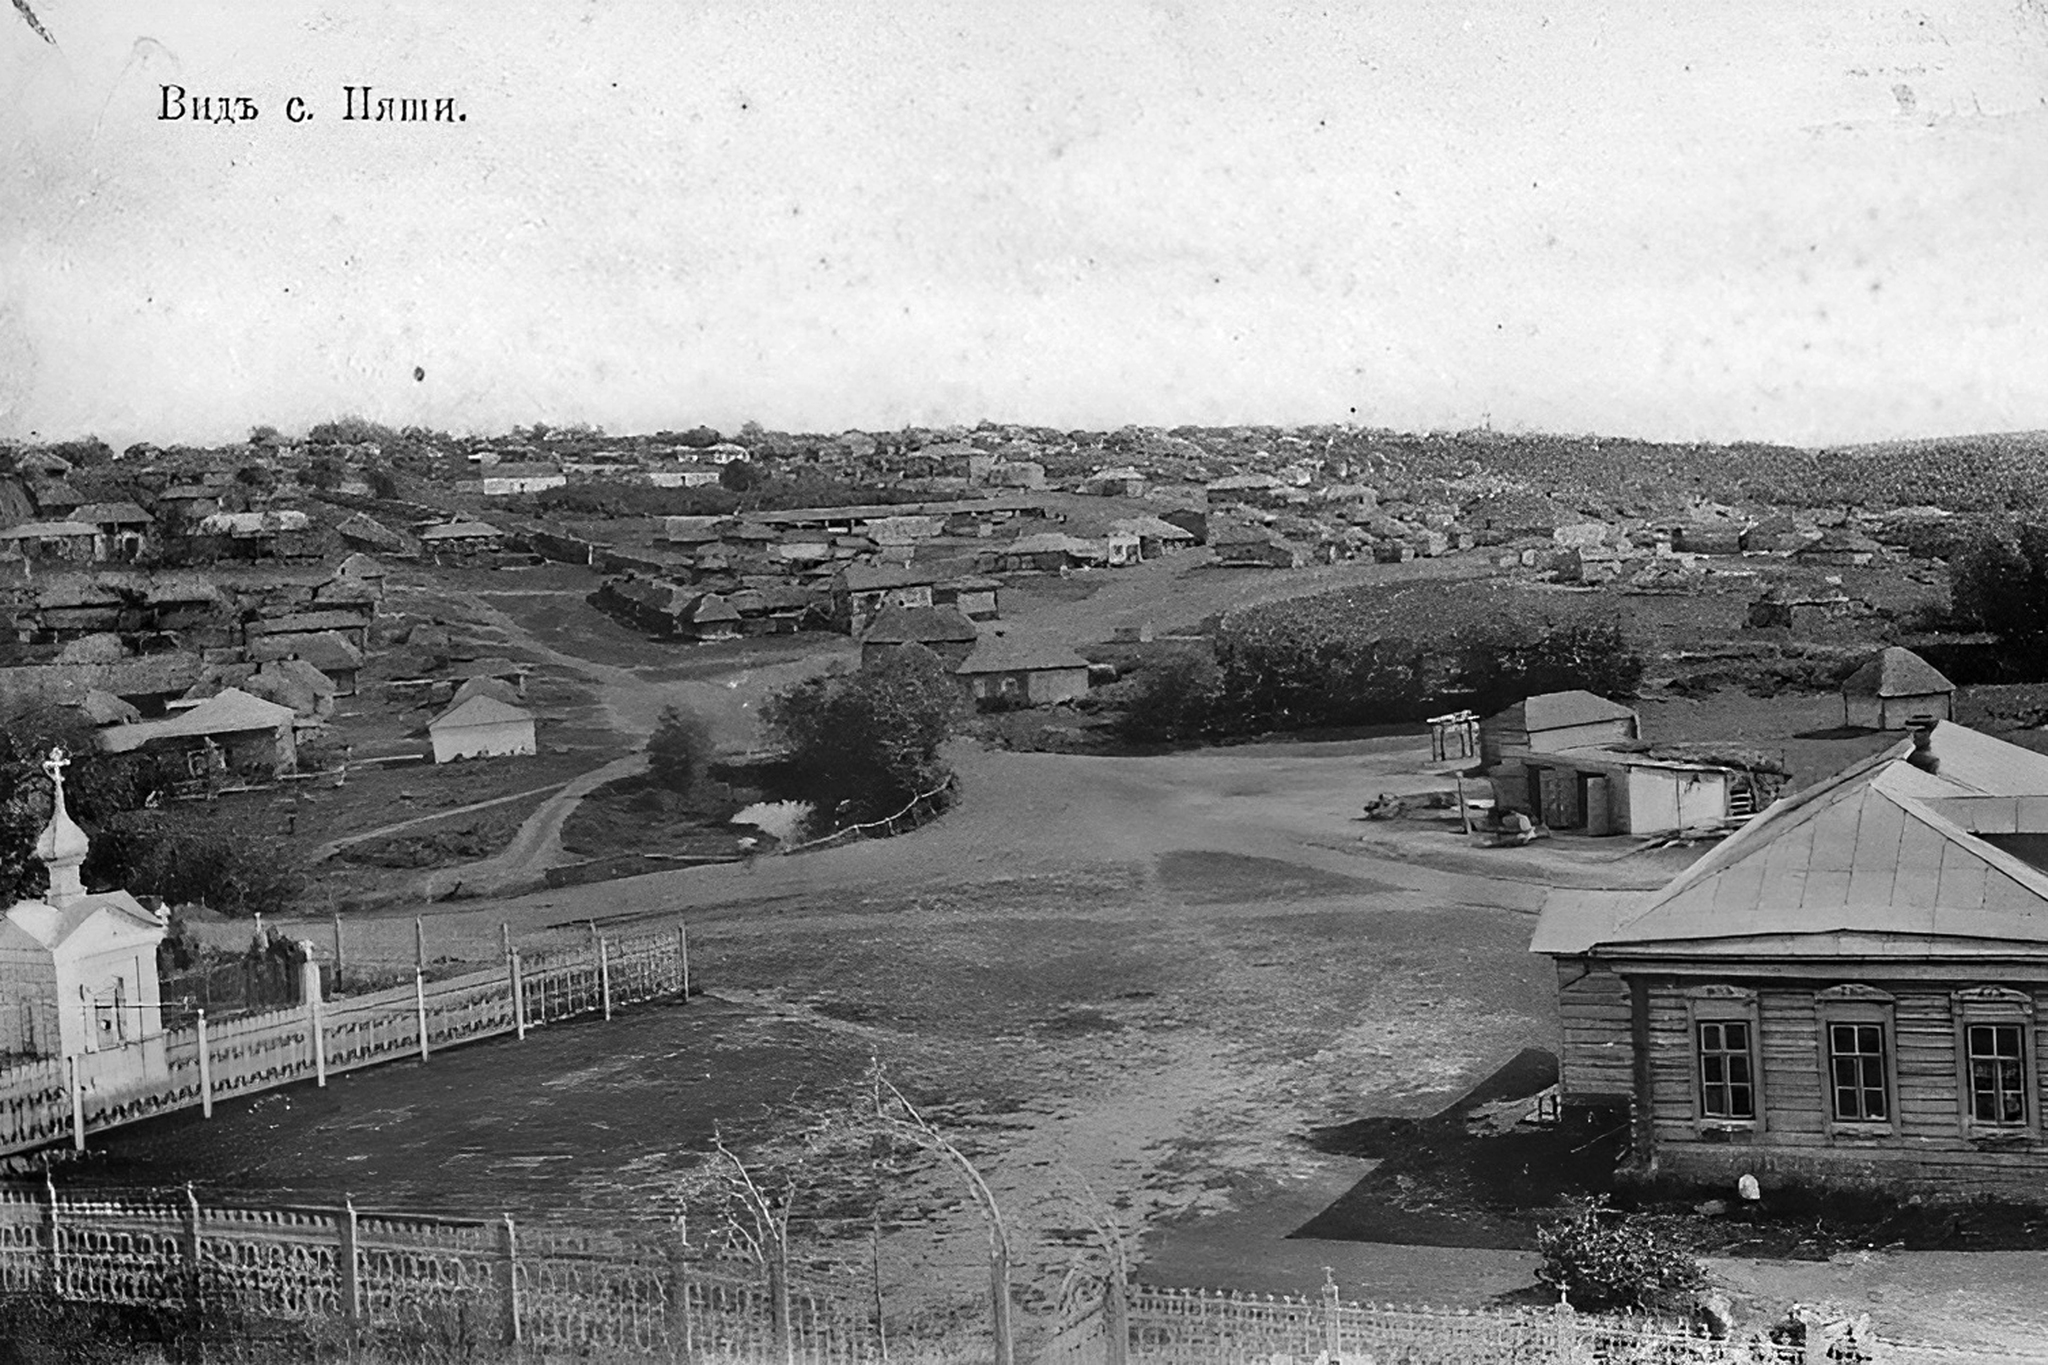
(709,617)
(70,540)
(481,726)
(325,650)
(231,730)
(1892,688)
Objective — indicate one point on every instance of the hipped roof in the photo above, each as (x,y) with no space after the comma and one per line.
(1881,857)
(1896,672)
(898,625)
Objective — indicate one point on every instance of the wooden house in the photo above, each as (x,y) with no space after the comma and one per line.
(861,591)
(1849,991)
(1120,482)
(457,539)
(326,650)
(122,528)
(708,617)
(351,625)
(1839,547)
(1006,669)
(231,731)
(1047,552)
(1156,536)
(979,599)
(46,541)
(1256,546)
(943,630)
(1894,687)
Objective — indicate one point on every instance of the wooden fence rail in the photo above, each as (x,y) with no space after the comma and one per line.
(64,1099)
(550,1288)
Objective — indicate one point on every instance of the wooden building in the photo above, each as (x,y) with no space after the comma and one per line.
(1849,991)
(945,631)
(1894,687)
(1006,669)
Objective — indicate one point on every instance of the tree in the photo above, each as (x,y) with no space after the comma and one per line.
(680,749)
(739,476)
(97,788)
(865,743)
(29,17)
(1999,583)
(1173,698)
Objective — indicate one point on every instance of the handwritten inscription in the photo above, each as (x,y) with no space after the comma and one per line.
(359,104)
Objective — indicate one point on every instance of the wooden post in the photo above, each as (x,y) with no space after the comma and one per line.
(348,1260)
(205,1070)
(419,943)
(778,1304)
(505,937)
(56,1264)
(875,1281)
(77,1107)
(1464,812)
(510,1270)
(1116,1320)
(316,1012)
(680,1333)
(189,1250)
(1332,1317)
(340,960)
(419,1000)
(604,974)
(518,996)
(683,951)
(999,1302)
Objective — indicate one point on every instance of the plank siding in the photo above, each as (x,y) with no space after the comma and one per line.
(1597,1060)
(1929,1150)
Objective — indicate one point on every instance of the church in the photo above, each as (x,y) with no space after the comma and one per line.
(78,969)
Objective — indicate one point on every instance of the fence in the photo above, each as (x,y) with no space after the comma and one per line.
(1145,1326)
(549,1288)
(66,1098)
(922,807)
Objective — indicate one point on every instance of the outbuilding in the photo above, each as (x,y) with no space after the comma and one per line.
(1004,668)
(1893,688)
(481,726)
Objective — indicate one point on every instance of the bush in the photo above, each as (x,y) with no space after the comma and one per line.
(1173,698)
(1999,583)
(679,750)
(1602,1259)
(98,787)
(209,860)
(862,744)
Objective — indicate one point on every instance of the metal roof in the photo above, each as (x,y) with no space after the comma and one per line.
(1560,710)
(1877,850)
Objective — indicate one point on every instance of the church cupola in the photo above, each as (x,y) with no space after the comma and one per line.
(63,845)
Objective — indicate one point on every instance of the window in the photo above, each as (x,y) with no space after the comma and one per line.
(1857,1065)
(1994,1061)
(1997,1067)
(1727,1080)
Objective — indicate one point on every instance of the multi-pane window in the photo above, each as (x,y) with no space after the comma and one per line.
(1727,1079)
(1998,1094)
(1857,1066)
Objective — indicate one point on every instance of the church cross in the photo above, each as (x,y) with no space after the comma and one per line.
(55,765)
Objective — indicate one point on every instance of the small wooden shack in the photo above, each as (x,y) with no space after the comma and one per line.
(1894,687)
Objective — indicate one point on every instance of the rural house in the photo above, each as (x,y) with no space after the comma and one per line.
(979,599)
(43,541)
(1575,761)
(353,626)
(77,969)
(1121,482)
(1241,545)
(504,480)
(1005,669)
(327,650)
(1891,688)
(481,725)
(1846,992)
(1156,537)
(863,590)
(231,731)
(1839,547)
(943,630)
(122,528)
(455,539)
(1046,552)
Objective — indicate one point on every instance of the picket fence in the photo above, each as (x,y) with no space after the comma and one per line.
(549,1289)
(1139,1325)
(64,1099)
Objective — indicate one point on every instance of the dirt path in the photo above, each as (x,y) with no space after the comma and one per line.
(522,864)
(328,850)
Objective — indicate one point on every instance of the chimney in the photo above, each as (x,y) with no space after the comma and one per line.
(1923,756)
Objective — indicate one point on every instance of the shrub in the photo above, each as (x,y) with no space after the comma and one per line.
(1999,582)
(1603,1259)
(679,749)
(862,744)
(1173,698)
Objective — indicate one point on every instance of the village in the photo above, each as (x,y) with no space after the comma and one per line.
(1710,942)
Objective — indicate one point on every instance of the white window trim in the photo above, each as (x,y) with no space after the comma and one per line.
(1995,1005)
(1857,1004)
(1714,1004)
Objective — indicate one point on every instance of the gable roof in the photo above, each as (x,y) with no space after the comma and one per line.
(1007,652)
(111,514)
(1561,710)
(35,924)
(48,530)
(479,708)
(1881,851)
(483,685)
(229,711)
(325,650)
(1896,672)
(898,625)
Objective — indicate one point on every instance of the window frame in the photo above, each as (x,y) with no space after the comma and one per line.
(1854,1003)
(1724,1004)
(1985,1005)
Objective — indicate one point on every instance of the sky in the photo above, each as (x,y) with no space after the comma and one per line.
(1811,223)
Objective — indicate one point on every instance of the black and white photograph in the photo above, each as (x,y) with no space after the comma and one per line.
(1069,682)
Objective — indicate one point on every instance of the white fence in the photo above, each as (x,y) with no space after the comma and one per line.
(552,1289)
(59,1100)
